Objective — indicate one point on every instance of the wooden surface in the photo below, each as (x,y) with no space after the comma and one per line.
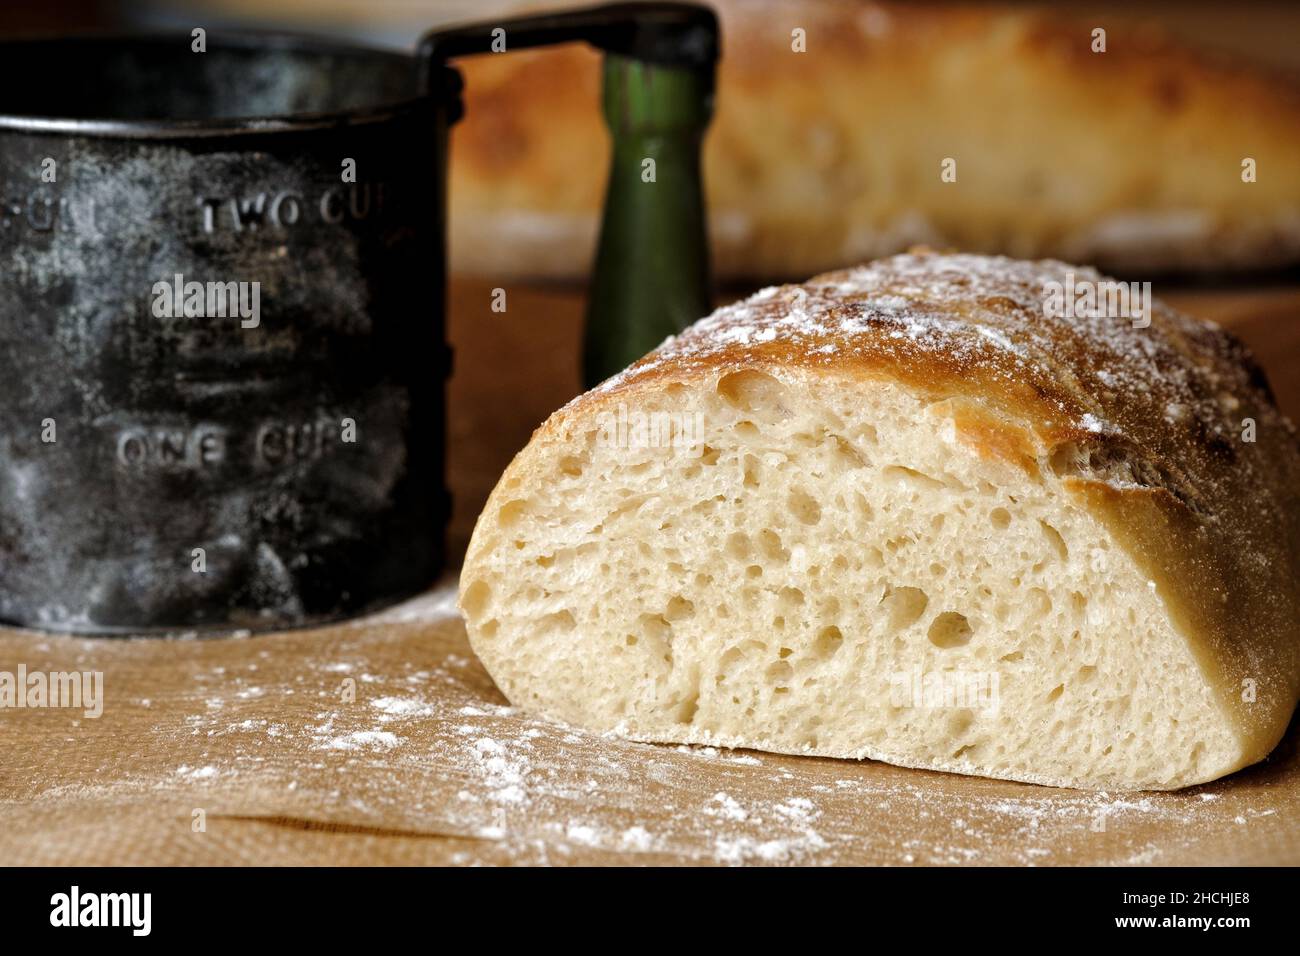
(384,741)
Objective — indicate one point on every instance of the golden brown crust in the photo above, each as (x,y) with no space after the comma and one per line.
(1148,427)
(1130,159)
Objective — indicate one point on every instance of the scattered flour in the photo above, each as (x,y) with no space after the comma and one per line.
(197,773)
(728,808)
(362,739)
(637,839)
(402,707)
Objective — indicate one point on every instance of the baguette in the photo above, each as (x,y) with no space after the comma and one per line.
(908,512)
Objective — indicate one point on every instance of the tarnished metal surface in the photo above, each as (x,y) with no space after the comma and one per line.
(259,469)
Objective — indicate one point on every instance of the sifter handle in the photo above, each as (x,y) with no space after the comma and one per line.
(651,276)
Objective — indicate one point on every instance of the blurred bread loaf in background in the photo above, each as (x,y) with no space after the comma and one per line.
(1130,158)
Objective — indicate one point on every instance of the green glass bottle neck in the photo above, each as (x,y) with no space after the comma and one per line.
(651,277)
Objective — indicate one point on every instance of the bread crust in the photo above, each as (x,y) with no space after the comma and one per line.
(1128,159)
(1143,426)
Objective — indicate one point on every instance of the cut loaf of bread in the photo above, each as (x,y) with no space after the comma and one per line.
(905,512)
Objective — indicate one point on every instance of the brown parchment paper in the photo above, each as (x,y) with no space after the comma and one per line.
(383,741)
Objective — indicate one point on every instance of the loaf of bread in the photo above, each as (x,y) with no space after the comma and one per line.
(1130,159)
(921,512)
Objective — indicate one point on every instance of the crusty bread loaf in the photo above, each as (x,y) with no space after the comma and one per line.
(1128,159)
(817,519)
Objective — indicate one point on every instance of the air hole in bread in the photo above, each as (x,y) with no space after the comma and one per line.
(688,708)
(733,657)
(898,543)
(950,629)
(474,598)
(904,606)
(769,543)
(804,506)
(557,621)
(679,609)
(960,721)
(1000,518)
(790,597)
(1040,605)
(657,635)
(1078,604)
(511,512)
(848,456)
(779,673)
(1055,539)
(912,477)
(754,392)
(828,641)
(738,546)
